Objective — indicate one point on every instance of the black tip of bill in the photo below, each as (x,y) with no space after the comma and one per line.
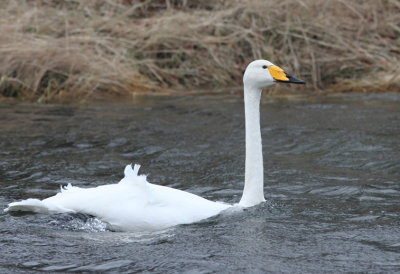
(293,80)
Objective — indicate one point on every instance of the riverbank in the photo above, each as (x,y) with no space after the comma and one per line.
(69,50)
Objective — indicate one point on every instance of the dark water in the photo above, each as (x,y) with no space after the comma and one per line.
(332,184)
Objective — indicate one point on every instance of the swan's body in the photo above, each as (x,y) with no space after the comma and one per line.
(131,205)
(136,205)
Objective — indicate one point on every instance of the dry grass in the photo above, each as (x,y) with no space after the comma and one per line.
(51,49)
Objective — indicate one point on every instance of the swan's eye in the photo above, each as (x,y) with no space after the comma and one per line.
(264,67)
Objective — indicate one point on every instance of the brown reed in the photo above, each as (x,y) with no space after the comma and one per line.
(51,49)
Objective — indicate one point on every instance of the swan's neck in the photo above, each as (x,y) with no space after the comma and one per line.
(254,172)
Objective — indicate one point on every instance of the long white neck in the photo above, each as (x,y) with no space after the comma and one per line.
(253,192)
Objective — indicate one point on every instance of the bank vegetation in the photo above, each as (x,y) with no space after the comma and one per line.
(70,49)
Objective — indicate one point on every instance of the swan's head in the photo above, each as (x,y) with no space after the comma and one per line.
(262,73)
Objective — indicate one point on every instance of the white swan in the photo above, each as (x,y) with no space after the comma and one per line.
(133,204)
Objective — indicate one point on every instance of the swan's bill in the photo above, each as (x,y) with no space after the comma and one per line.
(280,75)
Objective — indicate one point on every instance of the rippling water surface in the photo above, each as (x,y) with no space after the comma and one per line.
(332,184)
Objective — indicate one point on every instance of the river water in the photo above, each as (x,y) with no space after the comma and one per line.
(332,184)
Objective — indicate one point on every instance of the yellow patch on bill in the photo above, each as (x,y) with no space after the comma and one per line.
(277,73)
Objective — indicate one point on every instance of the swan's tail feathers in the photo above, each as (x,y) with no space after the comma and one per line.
(36,206)
(132,177)
(29,205)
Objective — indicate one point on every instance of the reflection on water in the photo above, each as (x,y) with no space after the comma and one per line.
(332,169)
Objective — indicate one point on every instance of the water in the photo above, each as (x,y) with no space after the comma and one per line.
(332,169)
